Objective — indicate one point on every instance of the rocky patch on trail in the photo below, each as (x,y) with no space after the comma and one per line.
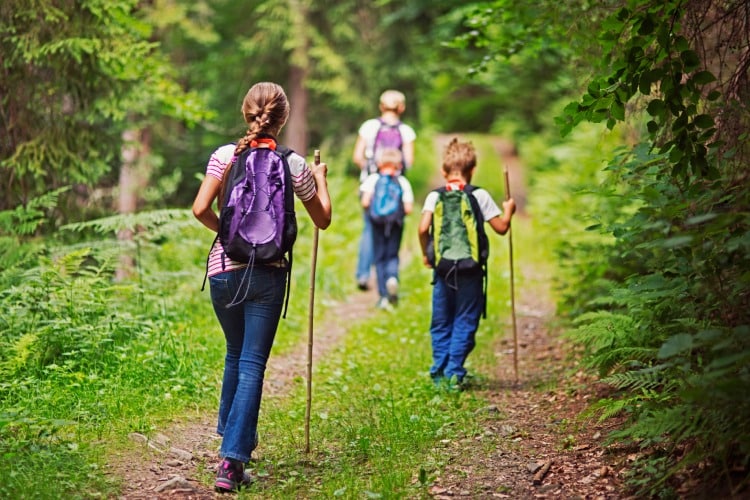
(533,443)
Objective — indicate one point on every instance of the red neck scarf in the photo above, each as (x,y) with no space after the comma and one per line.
(266,141)
(455,185)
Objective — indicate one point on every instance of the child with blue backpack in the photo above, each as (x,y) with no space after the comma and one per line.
(385,131)
(455,246)
(387,198)
(254,183)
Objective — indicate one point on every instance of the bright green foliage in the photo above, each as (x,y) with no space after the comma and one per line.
(659,284)
(672,336)
(73,73)
(82,357)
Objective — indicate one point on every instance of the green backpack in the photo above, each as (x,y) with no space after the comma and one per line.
(458,243)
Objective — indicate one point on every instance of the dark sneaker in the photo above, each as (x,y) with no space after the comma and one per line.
(391,285)
(362,284)
(231,476)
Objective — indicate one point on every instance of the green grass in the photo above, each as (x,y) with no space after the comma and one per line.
(151,352)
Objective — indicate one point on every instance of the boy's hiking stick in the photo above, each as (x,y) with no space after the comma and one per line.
(512,291)
(310,326)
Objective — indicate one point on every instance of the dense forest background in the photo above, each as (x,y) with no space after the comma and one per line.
(110,109)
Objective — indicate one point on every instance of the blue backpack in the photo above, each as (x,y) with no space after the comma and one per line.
(257,222)
(387,205)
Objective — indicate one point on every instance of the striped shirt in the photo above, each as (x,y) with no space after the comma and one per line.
(303,184)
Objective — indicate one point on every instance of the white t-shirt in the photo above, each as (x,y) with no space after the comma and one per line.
(369,130)
(487,205)
(407,195)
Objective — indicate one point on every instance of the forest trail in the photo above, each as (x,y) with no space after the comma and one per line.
(524,428)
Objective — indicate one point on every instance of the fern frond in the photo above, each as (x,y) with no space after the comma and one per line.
(148,221)
(607,360)
(644,379)
(25,220)
(607,408)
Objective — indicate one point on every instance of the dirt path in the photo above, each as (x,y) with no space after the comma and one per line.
(523,428)
(538,446)
(169,465)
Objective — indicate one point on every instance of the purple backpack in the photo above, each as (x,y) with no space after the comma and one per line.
(388,136)
(257,223)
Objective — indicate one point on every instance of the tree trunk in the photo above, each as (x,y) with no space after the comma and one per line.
(133,177)
(296,133)
(296,129)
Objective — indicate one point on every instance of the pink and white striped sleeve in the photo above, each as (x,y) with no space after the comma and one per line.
(302,178)
(219,160)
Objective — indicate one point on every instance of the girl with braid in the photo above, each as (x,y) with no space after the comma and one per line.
(250,325)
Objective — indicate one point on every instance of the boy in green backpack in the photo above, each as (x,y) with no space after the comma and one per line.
(455,246)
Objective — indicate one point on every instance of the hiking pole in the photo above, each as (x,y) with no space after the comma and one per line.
(316,159)
(512,291)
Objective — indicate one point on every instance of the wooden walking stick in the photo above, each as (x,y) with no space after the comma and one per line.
(512,291)
(310,326)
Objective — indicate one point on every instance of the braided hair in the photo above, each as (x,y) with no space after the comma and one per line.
(265,109)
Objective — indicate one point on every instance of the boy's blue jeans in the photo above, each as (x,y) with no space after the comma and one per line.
(457,305)
(385,244)
(249,329)
(365,258)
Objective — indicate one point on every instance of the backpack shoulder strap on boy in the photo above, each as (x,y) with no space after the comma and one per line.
(484,243)
(435,248)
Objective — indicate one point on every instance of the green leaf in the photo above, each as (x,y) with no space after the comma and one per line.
(690,59)
(676,242)
(703,77)
(618,111)
(656,108)
(647,26)
(703,121)
(700,219)
(675,345)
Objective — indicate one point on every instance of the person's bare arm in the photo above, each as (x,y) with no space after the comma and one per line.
(424,235)
(408,151)
(501,224)
(319,206)
(366,198)
(202,210)
(358,156)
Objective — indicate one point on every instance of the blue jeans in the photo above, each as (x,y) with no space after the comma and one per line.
(249,329)
(385,244)
(455,318)
(365,258)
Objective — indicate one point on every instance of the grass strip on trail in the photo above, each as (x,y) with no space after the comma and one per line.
(133,358)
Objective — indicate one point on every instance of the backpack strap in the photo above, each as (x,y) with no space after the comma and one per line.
(482,240)
(288,208)
(232,172)
(208,257)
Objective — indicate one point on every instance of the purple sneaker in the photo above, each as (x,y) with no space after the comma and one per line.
(231,476)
